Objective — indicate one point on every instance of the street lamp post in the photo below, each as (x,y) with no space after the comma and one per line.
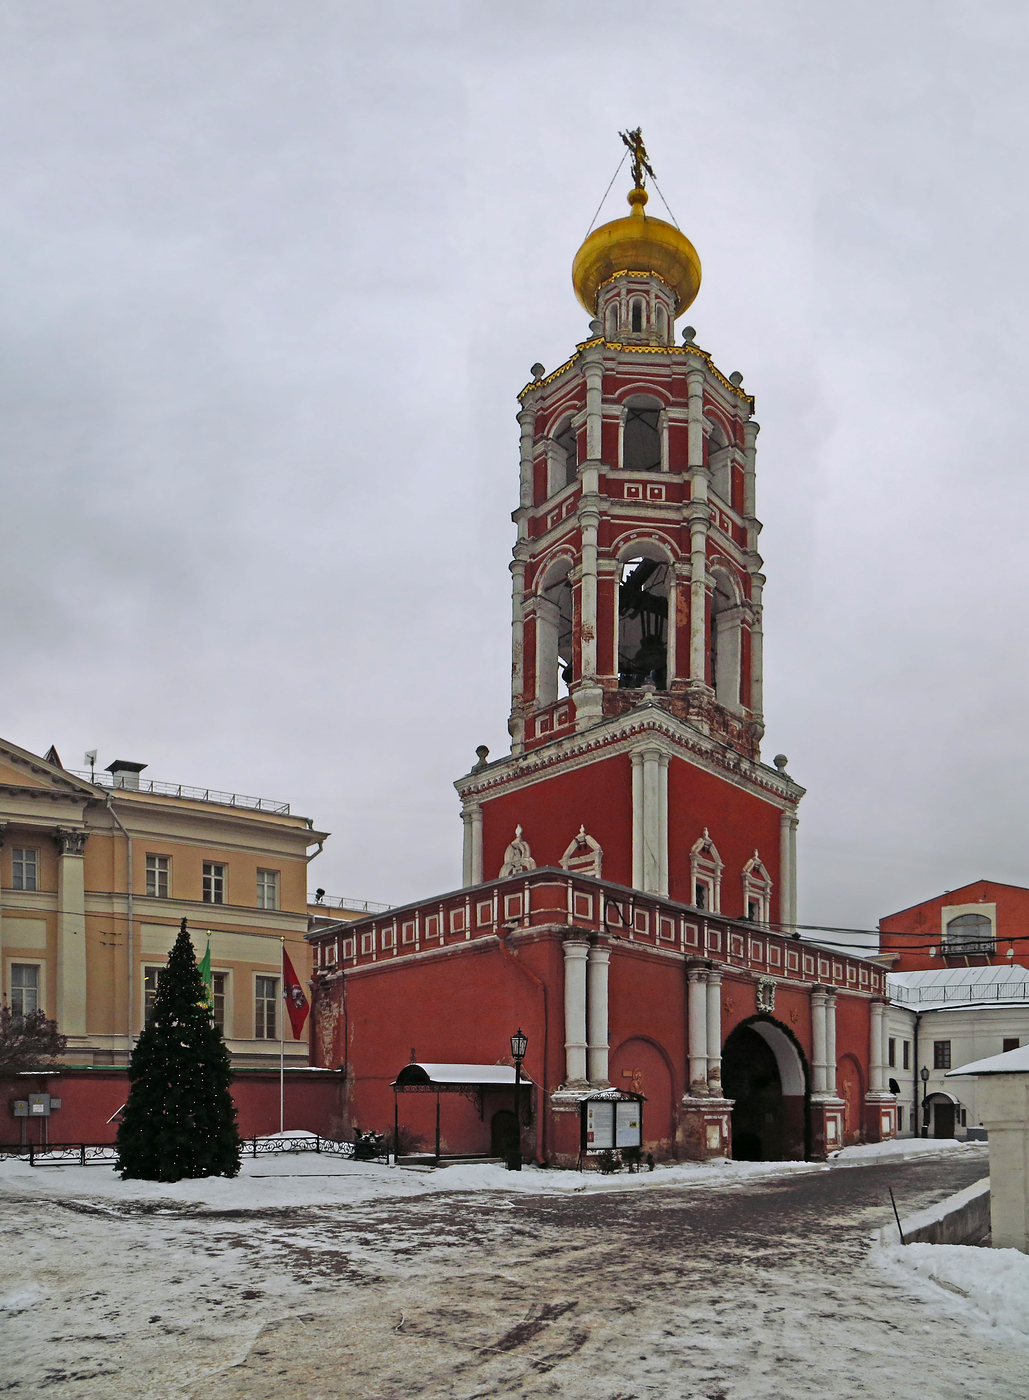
(925,1102)
(519,1044)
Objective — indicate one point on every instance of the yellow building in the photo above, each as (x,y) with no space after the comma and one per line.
(95,876)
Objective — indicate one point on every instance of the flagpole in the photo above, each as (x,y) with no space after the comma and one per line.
(282,1038)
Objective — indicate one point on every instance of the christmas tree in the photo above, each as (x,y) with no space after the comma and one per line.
(180,1120)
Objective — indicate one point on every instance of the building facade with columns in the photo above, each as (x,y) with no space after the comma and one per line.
(96,874)
(630,866)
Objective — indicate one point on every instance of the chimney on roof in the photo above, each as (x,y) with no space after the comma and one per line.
(125,774)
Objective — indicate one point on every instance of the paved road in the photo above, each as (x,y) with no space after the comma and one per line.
(719,1292)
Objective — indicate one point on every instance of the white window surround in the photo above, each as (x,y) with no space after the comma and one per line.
(268,1003)
(955,911)
(158,876)
(757,889)
(267,889)
(25,868)
(214,884)
(706,869)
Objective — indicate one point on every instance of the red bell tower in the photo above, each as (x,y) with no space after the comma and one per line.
(636,713)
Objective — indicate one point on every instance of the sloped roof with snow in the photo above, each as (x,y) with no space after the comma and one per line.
(959,985)
(1012,1062)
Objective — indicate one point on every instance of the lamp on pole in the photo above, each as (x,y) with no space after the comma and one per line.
(519,1044)
(925,1102)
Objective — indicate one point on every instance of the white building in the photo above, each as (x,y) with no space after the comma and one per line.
(940,1019)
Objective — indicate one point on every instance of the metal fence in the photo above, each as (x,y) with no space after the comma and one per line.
(341,901)
(89,1154)
(195,794)
(969,991)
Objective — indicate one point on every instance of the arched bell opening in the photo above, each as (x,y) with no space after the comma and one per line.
(725,642)
(564,458)
(642,434)
(554,634)
(719,463)
(763,1071)
(643,592)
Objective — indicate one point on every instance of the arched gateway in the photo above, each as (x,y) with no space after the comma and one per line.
(765,1073)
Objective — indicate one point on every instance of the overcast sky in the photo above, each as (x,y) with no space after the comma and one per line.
(271,274)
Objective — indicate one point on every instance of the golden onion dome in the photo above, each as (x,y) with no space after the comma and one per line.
(636,244)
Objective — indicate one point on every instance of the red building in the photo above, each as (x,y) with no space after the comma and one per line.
(981,923)
(630,866)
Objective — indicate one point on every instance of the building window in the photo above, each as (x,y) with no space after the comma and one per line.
(218,987)
(1010,1043)
(637,316)
(968,933)
(706,874)
(24,988)
(941,1054)
(214,883)
(151,977)
(267,889)
(964,1117)
(906,1054)
(266,1003)
(893,1052)
(157,868)
(25,869)
(700,895)
(900,1118)
(641,435)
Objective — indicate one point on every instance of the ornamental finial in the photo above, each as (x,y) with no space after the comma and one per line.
(633,140)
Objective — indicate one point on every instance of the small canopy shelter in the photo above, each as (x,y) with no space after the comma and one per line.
(470,1080)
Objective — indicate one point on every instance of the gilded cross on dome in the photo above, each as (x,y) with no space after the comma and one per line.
(633,140)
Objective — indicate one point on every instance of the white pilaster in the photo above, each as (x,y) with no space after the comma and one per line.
(594,376)
(576,952)
(697,1030)
(589,697)
(714,1032)
(637,820)
(662,819)
(597,1014)
(787,871)
(516,725)
(527,424)
(652,773)
(830,1043)
(71,933)
(876,1078)
(818,1042)
(757,647)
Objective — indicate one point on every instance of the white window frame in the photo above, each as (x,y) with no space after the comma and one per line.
(157,871)
(757,889)
(279,1011)
(222,876)
(18,854)
(40,965)
(227,1020)
(706,869)
(147,967)
(263,886)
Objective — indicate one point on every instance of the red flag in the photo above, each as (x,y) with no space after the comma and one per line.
(296,1002)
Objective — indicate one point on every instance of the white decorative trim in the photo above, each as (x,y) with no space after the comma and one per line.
(517,857)
(583,855)
(706,869)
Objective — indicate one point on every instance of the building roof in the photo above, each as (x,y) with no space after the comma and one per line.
(959,985)
(1012,1062)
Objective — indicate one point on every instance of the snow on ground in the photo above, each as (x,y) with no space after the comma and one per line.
(310,1178)
(987,1287)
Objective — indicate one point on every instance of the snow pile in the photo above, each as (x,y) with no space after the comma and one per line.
(900,1149)
(25,1297)
(988,1286)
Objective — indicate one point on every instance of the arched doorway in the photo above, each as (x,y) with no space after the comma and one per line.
(763,1072)
(503,1133)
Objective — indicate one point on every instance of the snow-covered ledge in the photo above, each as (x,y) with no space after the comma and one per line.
(1002,1098)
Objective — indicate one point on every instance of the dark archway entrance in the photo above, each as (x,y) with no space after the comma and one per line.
(750,1076)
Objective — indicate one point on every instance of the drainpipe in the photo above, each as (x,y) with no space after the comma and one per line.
(128,893)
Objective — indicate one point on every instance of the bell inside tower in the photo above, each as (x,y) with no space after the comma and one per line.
(643,624)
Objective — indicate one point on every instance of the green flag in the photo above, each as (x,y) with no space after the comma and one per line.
(204,968)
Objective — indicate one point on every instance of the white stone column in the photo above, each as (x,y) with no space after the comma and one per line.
(589,697)
(71,932)
(787,871)
(637,820)
(697,1030)
(516,724)
(757,647)
(471,865)
(662,820)
(699,516)
(818,1041)
(593,365)
(597,1014)
(877,1017)
(830,1043)
(750,432)
(576,952)
(714,1031)
(527,423)
(652,772)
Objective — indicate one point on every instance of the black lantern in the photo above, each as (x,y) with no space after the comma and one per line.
(519,1044)
(925,1101)
(924,1072)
